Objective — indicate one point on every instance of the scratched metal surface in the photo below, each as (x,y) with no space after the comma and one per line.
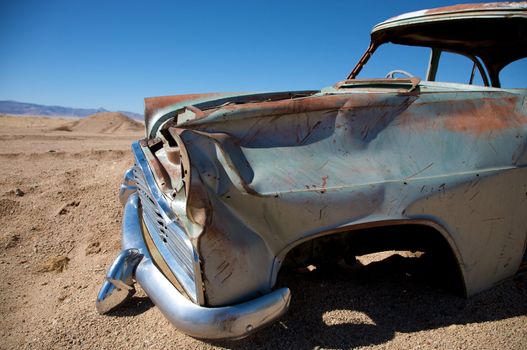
(275,173)
(266,172)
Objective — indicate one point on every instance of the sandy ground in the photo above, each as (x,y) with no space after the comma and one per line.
(60,230)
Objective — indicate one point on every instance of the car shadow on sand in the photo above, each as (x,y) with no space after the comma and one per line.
(368,305)
(133,307)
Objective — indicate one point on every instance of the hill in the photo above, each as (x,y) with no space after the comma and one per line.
(23,108)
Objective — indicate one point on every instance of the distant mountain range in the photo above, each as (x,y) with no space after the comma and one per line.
(14,107)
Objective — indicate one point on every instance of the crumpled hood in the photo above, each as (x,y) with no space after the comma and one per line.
(156,107)
(160,109)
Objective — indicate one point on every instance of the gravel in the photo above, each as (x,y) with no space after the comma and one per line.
(69,217)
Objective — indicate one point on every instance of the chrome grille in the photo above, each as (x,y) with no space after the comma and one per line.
(171,241)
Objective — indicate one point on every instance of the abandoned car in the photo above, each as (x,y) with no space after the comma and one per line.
(227,187)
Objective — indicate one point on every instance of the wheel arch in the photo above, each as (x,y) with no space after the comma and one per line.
(386,226)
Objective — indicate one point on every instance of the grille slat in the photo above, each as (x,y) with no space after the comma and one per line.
(172,238)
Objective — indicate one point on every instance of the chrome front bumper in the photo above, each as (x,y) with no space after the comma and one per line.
(234,321)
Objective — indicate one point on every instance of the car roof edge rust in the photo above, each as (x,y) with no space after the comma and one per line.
(455,12)
(496,33)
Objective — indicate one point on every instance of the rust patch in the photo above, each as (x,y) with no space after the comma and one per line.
(490,115)
(329,103)
(324,184)
(412,83)
(475,117)
(472,7)
(302,105)
(153,104)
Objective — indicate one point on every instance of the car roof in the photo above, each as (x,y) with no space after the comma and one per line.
(494,32)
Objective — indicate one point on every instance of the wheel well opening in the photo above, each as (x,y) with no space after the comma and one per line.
(430,251)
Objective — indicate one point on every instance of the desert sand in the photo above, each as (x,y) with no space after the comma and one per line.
(60,230)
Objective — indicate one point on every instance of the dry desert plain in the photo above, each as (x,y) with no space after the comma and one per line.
(60,230)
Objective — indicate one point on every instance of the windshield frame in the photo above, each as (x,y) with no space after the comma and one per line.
(433,63)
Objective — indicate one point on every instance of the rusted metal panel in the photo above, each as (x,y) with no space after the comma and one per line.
(486,219)
(339,159)
(153,104)
(467,11)
(156,106)
(167,108)
(493,6)
(244,178)
(358,153)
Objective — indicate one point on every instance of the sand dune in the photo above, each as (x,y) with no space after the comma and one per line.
(103,123)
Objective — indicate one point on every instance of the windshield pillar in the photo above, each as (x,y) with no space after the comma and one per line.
(433,64)
(363,60)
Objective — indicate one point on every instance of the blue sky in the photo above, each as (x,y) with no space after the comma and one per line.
(112,54)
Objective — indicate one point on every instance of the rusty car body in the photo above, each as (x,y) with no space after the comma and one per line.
(226,186)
